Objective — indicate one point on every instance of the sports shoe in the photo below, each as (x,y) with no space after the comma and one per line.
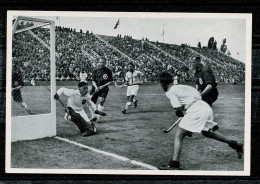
(100,113)
(173,165)
(238,147)
(87,133)
(240,150)
(135,103)
(124,111)
(93,119)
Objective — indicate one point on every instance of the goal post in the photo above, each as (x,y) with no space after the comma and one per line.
(38,119)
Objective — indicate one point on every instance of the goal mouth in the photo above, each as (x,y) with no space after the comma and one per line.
(33,110)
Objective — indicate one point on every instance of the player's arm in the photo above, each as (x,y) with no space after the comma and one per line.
(209,81)
(94,79)
(206,90)
(17,87)
(176,105)
(65,91)
(94,84)
(197,87)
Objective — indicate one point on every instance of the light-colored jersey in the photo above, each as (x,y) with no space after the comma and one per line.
(133,77)
(75,99)
(182,95)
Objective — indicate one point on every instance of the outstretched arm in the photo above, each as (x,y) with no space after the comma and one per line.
(18,87)
(206,90)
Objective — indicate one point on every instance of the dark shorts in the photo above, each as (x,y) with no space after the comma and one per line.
(101,93)
(211,96)
(79,121)
(17,96)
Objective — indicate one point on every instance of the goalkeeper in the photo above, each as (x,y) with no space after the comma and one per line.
(75,111)
(198,118)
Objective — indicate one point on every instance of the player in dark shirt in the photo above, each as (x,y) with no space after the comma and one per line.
(205,82)
(101,78)
(17,85)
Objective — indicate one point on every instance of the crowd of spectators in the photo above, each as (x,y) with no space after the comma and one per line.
(77,50)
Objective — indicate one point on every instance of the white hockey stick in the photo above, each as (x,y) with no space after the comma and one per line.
(120,86)
(173,125)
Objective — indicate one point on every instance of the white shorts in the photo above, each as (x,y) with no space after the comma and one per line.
(198,117)
(132,90)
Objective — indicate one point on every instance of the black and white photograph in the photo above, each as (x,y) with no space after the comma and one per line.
(128,93)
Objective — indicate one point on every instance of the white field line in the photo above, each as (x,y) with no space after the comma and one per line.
(109,154)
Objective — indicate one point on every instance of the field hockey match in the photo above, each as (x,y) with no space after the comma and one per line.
(160,94)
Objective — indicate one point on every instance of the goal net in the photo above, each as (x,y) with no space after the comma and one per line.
(33,83)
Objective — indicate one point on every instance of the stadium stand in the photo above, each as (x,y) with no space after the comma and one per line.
(77,50)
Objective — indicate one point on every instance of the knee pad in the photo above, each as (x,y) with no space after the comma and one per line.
(128,103)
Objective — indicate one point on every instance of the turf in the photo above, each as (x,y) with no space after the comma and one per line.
(138,135)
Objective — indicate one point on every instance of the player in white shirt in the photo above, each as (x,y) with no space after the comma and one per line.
(75,111)
(197,117)
(133,79)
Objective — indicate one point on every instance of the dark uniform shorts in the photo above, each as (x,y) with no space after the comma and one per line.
(17,96)
(101,93)
(79,121)
(211,96)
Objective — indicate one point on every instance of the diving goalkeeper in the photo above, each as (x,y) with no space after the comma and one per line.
(75,111)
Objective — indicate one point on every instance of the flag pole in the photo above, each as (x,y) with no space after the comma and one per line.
(118,26)
(163,32)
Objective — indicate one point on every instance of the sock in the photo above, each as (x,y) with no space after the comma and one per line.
(92,112)
(24,105)
(127,105)
(100,108)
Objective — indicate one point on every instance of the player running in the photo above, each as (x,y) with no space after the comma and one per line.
(75,111)
(205,82)
(17,85)
(101,78)
(197,117)
(132,78)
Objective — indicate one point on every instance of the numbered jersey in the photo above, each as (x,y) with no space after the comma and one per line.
(102,76)
(133,77)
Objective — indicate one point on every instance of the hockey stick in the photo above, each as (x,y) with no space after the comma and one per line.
(174,124)
(119,86)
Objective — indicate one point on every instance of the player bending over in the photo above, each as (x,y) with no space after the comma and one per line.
(17,85)
(75,111)
(101,78)
(198,118)
(132,78)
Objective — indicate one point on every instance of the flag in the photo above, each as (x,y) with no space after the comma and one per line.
(117,24)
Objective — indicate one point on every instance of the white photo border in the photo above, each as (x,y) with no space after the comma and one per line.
(247,130)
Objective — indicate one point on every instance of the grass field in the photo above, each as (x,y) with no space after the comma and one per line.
(136,135)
